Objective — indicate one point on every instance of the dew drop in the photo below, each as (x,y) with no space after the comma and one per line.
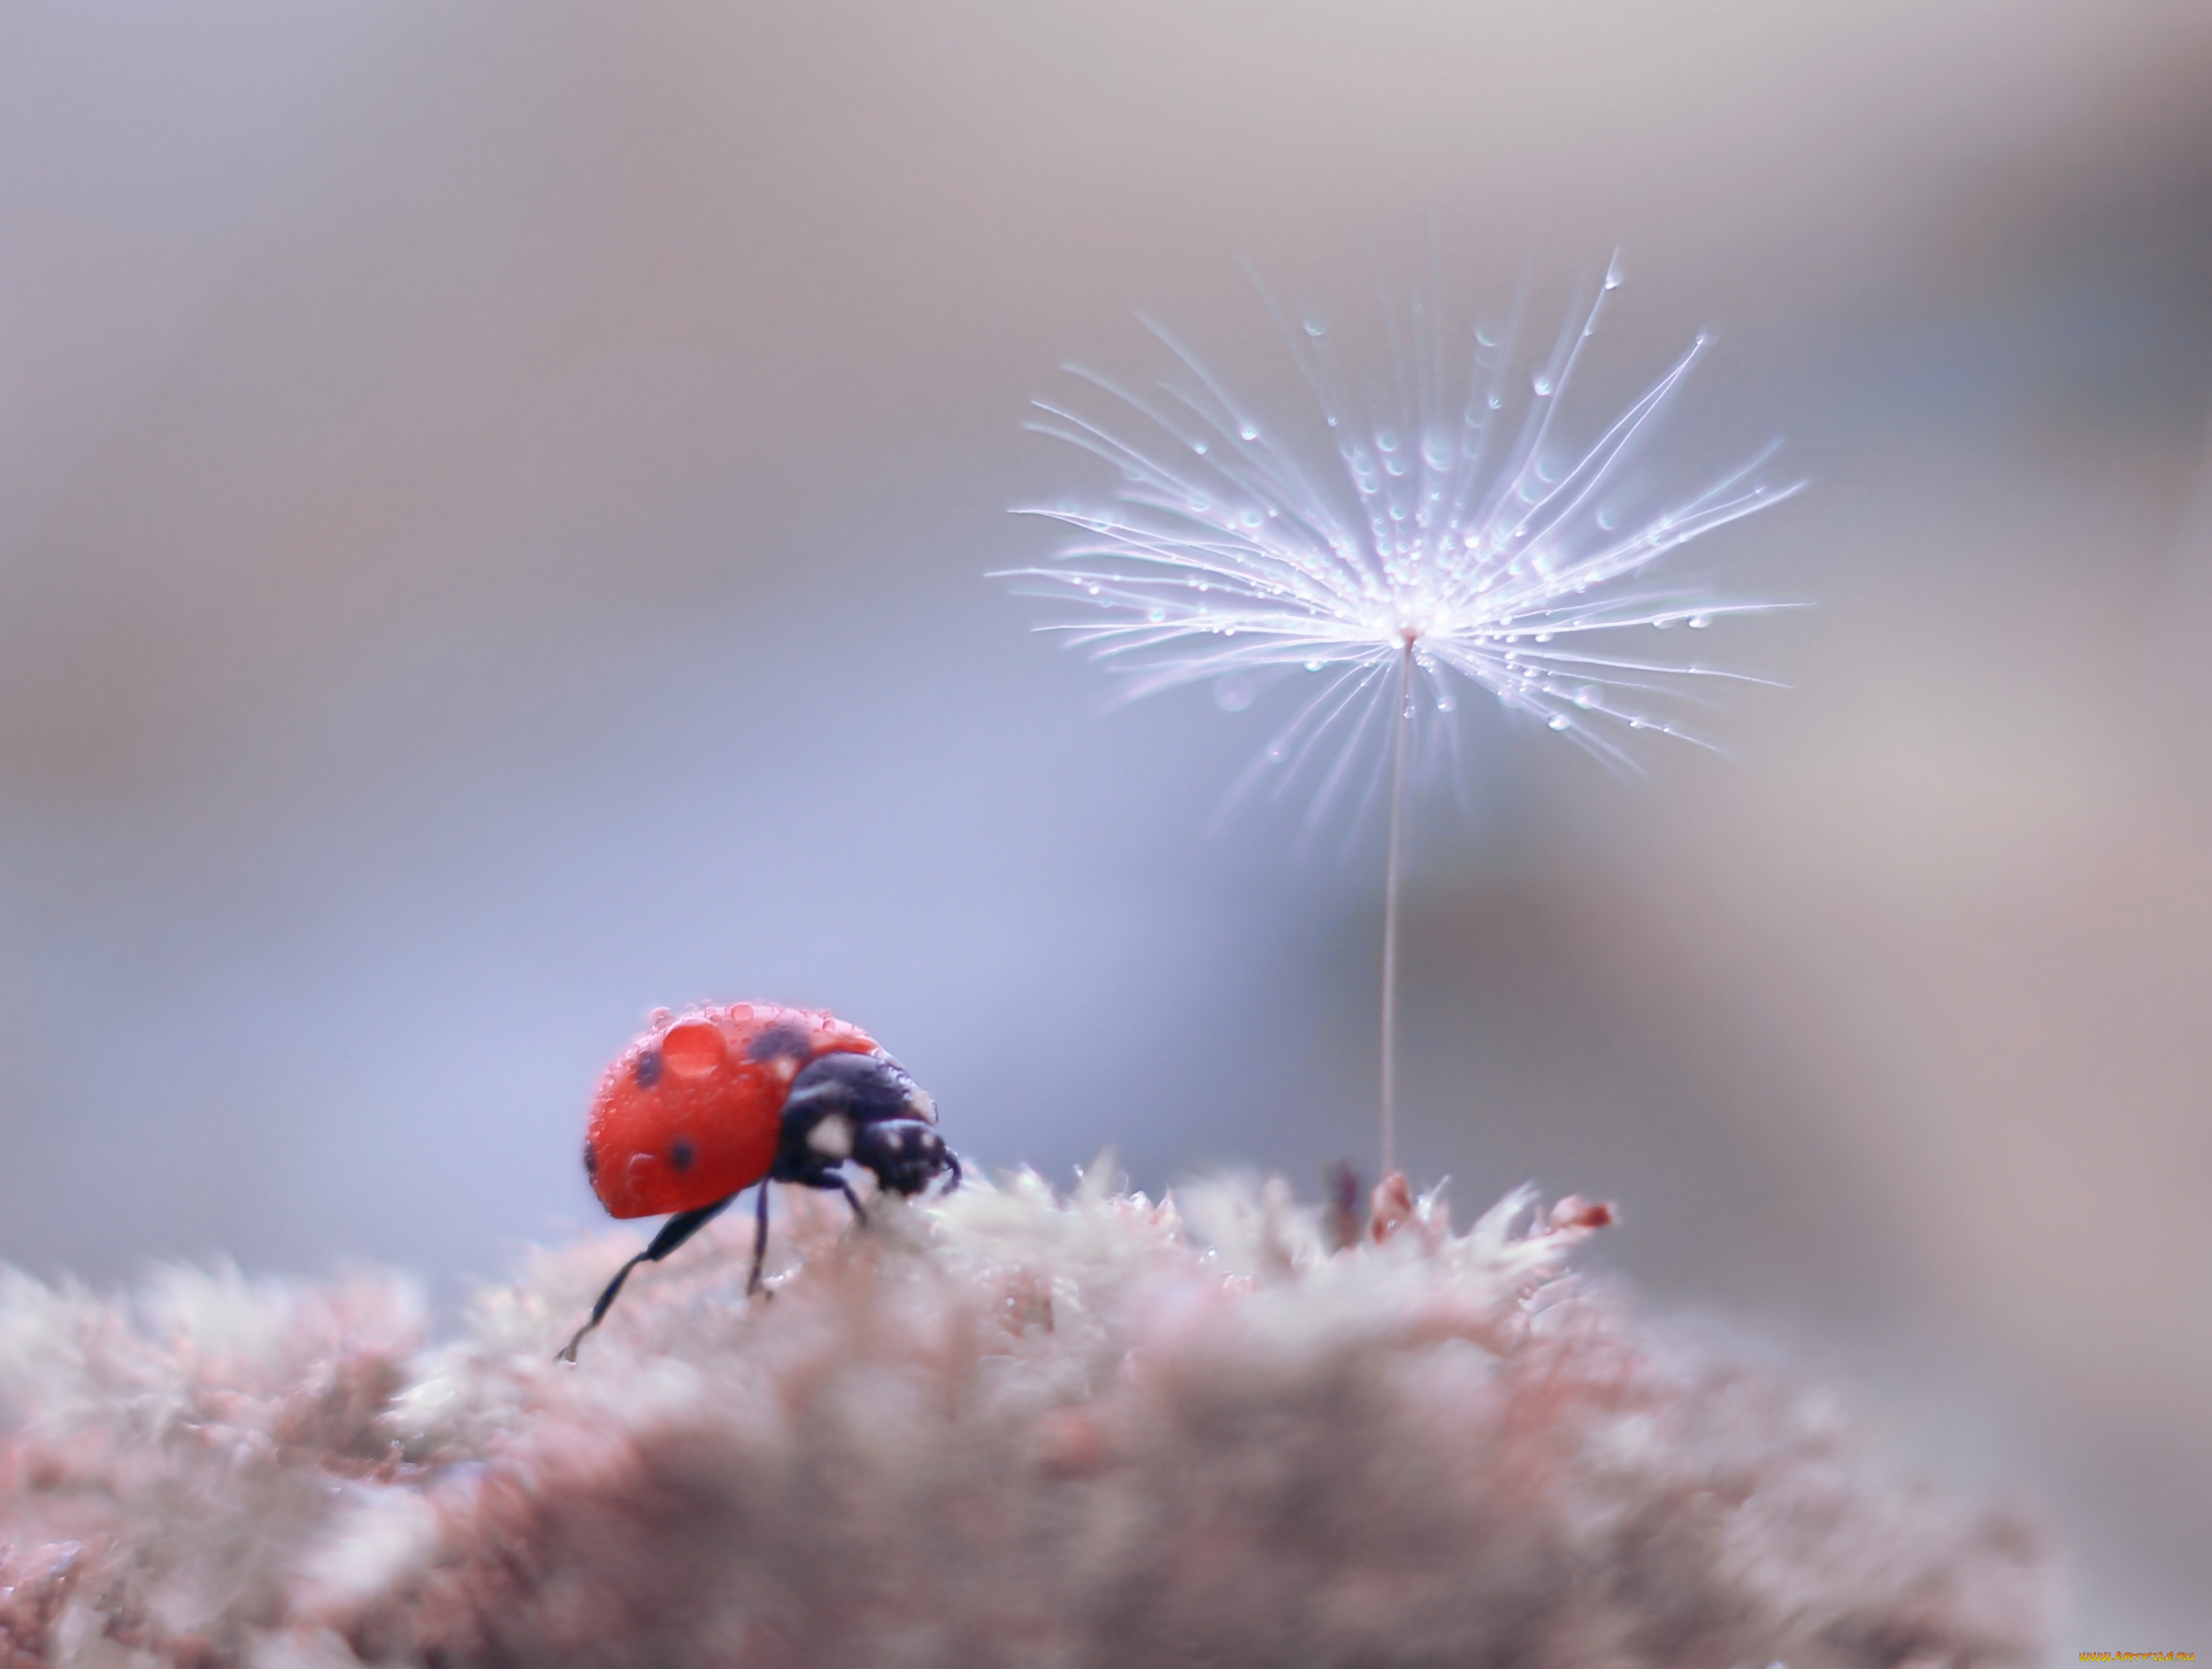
(1249,433)
(1663,621)
(1559,721)
(1316,326)
(1156,615)
(1199,447)
(1613,273)
(1699,622)
(1608,521)
(1485,338)
(1586,697)
(1543,637)
(1444,703)
(1277,753)
(1313,667)
(1495,402)
(1639,724)
(1437,450)
(1233,692)
(1541,382)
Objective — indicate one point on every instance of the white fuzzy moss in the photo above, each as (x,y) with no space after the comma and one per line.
(1004,1428)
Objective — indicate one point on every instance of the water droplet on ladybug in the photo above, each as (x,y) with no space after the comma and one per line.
(692,1048)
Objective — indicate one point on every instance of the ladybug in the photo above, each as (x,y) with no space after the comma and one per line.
(709,1102)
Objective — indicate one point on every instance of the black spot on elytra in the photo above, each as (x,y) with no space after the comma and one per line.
(681,1154)
(784,1039)
(591,1160)
(649,1069)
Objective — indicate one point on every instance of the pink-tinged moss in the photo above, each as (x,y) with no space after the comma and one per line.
(1005,1429)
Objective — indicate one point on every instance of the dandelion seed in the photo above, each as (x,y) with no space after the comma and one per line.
(1479,554)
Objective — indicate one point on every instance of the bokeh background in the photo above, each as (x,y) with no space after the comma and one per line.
(493,503)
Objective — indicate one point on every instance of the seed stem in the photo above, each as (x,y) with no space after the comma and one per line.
(1390,909)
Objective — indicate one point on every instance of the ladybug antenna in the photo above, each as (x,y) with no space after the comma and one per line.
(673,1233)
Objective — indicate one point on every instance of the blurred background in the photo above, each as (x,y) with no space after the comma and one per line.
(494,506)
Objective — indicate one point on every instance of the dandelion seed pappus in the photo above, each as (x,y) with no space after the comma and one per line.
(1459,541)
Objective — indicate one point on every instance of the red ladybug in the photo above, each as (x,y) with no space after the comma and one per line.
(712,1101)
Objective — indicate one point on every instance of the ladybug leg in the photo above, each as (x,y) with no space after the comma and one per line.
(817,1177)
(760,1237)
(836,1180)
(673,1233)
